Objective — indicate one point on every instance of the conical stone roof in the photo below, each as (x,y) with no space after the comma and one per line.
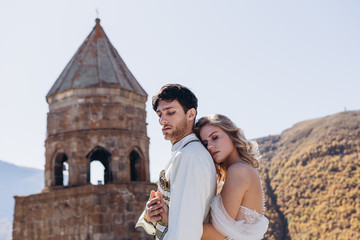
(96,64)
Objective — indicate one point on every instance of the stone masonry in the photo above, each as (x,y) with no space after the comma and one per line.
(96,113)
(101,212)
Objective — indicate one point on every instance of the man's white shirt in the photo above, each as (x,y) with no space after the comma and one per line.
(188,183)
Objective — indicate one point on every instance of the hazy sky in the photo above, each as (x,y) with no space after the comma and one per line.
(265,64)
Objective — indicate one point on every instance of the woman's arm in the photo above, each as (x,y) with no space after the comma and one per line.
(235,186)
(210,233)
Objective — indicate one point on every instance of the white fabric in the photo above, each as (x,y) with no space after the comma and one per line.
(192,177)
(252,227)
(148,227)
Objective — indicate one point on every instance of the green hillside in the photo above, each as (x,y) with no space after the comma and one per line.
(311,176)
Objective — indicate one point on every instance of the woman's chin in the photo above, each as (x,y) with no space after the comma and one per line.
(218,160)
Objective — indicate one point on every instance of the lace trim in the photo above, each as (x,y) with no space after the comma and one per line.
(250,216)
(251,226)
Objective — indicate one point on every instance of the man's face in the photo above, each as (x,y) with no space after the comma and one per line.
(174,121)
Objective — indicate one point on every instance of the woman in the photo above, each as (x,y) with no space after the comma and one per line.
(238,211)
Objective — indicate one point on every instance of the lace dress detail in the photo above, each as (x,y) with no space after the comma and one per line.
(252,227)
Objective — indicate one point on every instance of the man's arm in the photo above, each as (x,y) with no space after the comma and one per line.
(191,187)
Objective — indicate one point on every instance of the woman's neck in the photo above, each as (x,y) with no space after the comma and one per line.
(234,158)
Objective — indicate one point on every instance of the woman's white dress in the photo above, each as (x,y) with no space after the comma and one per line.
(252,227)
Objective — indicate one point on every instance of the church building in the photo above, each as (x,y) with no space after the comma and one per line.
(96,115)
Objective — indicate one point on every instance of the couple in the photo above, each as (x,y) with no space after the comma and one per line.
(214,152)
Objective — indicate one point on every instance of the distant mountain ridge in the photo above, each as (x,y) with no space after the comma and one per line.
(311,176)
(15,180)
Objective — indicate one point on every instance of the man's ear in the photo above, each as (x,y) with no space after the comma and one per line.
(191,114)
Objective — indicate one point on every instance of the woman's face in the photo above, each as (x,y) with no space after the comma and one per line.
(218,143)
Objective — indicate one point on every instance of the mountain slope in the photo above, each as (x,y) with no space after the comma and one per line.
(15,180)
(311,178)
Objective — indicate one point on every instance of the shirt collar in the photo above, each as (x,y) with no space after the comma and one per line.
(179,144)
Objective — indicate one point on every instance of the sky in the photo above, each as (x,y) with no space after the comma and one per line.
(266,64)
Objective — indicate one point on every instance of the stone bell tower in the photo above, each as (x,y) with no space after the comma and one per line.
(96,113)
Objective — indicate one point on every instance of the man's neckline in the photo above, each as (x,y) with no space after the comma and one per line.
(182,141)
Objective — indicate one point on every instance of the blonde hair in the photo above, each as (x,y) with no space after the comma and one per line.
(248,150)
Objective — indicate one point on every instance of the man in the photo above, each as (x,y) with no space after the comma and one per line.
(188,182)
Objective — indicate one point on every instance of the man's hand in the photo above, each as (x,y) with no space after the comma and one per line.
(154,207)
(165,214)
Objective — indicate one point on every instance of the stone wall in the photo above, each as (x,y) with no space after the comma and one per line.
(96,212)
(81,120)
(77,145)
(96,108)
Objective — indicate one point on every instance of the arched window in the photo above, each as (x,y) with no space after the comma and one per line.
(61,170)
(66,174)
(136,167)
(96,172)
(99,166)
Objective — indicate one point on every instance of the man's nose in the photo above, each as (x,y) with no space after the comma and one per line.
(162,120)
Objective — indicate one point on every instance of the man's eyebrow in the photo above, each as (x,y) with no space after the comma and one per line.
(164,109)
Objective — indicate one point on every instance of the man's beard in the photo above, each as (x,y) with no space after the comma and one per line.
(179,131)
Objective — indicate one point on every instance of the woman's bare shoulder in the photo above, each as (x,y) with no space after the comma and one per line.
(240,175)
(238,181)
(242,170)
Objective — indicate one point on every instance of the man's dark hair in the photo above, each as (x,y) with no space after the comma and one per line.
(171,92)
